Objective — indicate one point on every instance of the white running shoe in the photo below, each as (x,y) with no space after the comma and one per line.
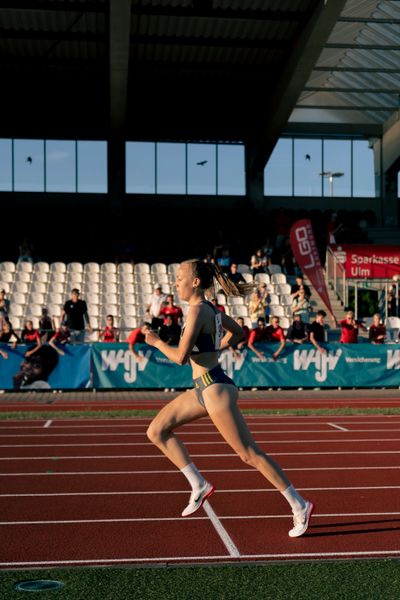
(198,498)
(301,520)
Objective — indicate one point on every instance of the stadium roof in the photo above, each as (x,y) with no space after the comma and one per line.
(231,70)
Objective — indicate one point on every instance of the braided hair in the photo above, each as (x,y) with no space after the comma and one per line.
(209,273)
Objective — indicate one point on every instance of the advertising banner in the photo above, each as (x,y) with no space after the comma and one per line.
(307,257)
(368,261)
(114,366)
(344,365)
(45,369)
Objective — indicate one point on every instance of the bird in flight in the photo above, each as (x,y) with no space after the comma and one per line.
(308,157)
(202,163)
(29,159)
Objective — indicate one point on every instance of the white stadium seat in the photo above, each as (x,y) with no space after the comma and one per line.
(7,276)
(283,288)
(41,267)
(34,310)
(55,288)
(4,285)
(158,268)
(35,298)
(274,269)
(91,267)
(125,268)
(23,276)
(278,278)
(7,266)
(276,310)
(142,268)
(40,276)
(108,267)
(58,267)
(24,266)
(57,277)
(38,287)
(75,267)
(21,287)
(55,298)
(262,278)
(128,310)
(17,298)
(242,268)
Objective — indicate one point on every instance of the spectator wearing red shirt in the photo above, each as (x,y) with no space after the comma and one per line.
(276,334)
(377,331)
(31,337)
(110,333)
(350,329)
(61,337)
(169,308)
(220,307)
(138,336)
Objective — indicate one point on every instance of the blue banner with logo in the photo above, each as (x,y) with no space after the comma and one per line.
(343,365)
(114,366)
(45,369)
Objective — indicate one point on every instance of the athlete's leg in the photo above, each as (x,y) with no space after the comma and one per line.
(220,401)
(183,409)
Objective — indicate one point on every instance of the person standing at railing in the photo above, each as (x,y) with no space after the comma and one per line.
(377,331)
(75,313)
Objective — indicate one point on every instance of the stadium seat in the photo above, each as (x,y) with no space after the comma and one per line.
(75,267)
(242,268)
(57,277)
(235,300)
(39,276)
(7,276)
(127,324)
(41,267)
(262,278)
(91,267)
(16,322)
(24,266)
(108,277)
(58,267)
(90,288)
(93,310)
(286,300)
(7,266)
(125,278)
(91,277)
(4,285)
(108,267)
(23,276)
(143,278)
(272,269)
(247,322)
(38,287)
(92,298)
(35,298)
(142,268)
(108,298)
(278,278)
(18,297)
(54,310)
(238,310)
(108,309)
(248,277)
(144,288)
(276,310)
(126,288)
(128,310)
(34,310)
(160,278)
(284,323)
(158,267)
(283,288)
(55,298)
(126,298)
(221,299)
(21,287)
(274,299)
(16,310)
(125,267)
(172,268)
(55,288)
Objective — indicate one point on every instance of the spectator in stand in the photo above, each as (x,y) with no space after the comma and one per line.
(350,329)
(258,335)
(242,344)
(266,298)
(268,251)
(154,307)
(377,331)
(224,261)
(60,338)
(257,307)
(47,327)
(276,334)
(317,331)
(110,333)
(234,275)
(31,337)
(297,332)
(138,336)
(75,314)
(169,308)
(170,331)
(300,285)
(8,335)
(4,301)
(215,302)
(3,312)
(392,301)
(258,263)
(302,307)
(26,250)
(333,227)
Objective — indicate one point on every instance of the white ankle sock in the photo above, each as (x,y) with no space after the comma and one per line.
(194,477)
(296,501)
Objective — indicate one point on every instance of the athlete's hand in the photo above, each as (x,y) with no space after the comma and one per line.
(152,338)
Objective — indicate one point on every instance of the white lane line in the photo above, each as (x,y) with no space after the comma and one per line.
(174,472)
(220,529)
(179,519)
(220,491)
(344,428)
(164,559)
(219,442)
(214,455)
(48,423)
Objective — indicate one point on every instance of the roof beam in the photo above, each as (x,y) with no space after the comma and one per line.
(331,107)
(67,36)
(166,40)
(219,13)
(283,95)
(380,21)
(78,7)
(352,90)
(347,46)
(335,69)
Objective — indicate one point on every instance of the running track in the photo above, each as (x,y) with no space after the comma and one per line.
(95,492)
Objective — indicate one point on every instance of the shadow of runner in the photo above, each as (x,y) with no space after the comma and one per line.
(346,531)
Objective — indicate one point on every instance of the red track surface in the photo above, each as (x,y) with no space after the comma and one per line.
(94,491)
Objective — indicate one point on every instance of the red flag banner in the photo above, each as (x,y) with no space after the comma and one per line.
(307,257)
